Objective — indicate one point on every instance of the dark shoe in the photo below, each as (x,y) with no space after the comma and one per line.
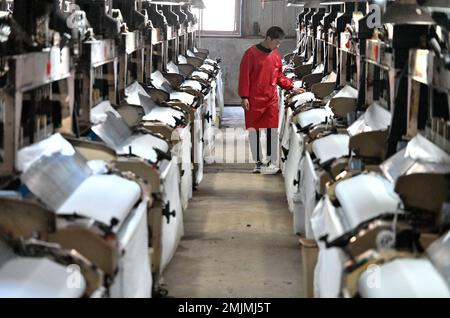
(257,168)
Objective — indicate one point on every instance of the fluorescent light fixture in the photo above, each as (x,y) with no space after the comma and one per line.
(331,3)
(198,4)
(294,3)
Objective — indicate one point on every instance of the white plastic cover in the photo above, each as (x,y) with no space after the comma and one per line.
(198,146)
(213,102)
(98,166)
(54,144)
(190,53)
(182,59)
(314,116)
(291,172)
(210,61)
(318,69)
(160,82)
(421,149)
(439,254)
(134,279)
(206,67)
(141,145)
(98,112)
(300,99)
(332,146)
(375,118)
(419,156)
(209,127)
(183,97)
(285,131)
(26,277)
(281,100)
(404,278)
(102,198)
(173,230)
(204,76)
(136,95)
(164,114)
(330,78)
(172,68)
(328,270)
(107,197)
(220,101)
(347,91)
(309,187)
(317,116)
(53,178)
(297,84)
(327,220)
(366,196)
(182,152)
(192,84)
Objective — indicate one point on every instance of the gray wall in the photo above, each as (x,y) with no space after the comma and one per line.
(231,49)
(274,13)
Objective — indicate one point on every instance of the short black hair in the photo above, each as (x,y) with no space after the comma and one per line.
(275,33)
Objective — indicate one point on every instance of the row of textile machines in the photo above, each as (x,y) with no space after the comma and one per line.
(107,115)
(366,149)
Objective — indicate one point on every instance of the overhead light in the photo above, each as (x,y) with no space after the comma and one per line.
(331,3)
(199,4)
(291,3)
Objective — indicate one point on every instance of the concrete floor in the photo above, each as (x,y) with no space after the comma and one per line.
(238,238)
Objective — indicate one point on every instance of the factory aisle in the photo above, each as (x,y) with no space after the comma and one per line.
(238,238)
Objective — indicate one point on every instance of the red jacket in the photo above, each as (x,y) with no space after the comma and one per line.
(260,73)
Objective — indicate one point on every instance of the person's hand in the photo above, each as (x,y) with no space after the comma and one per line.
(245,104)
(298,90)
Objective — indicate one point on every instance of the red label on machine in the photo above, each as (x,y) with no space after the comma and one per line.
(49,68)
(345,40)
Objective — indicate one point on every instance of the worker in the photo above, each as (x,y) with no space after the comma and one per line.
(260,73)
